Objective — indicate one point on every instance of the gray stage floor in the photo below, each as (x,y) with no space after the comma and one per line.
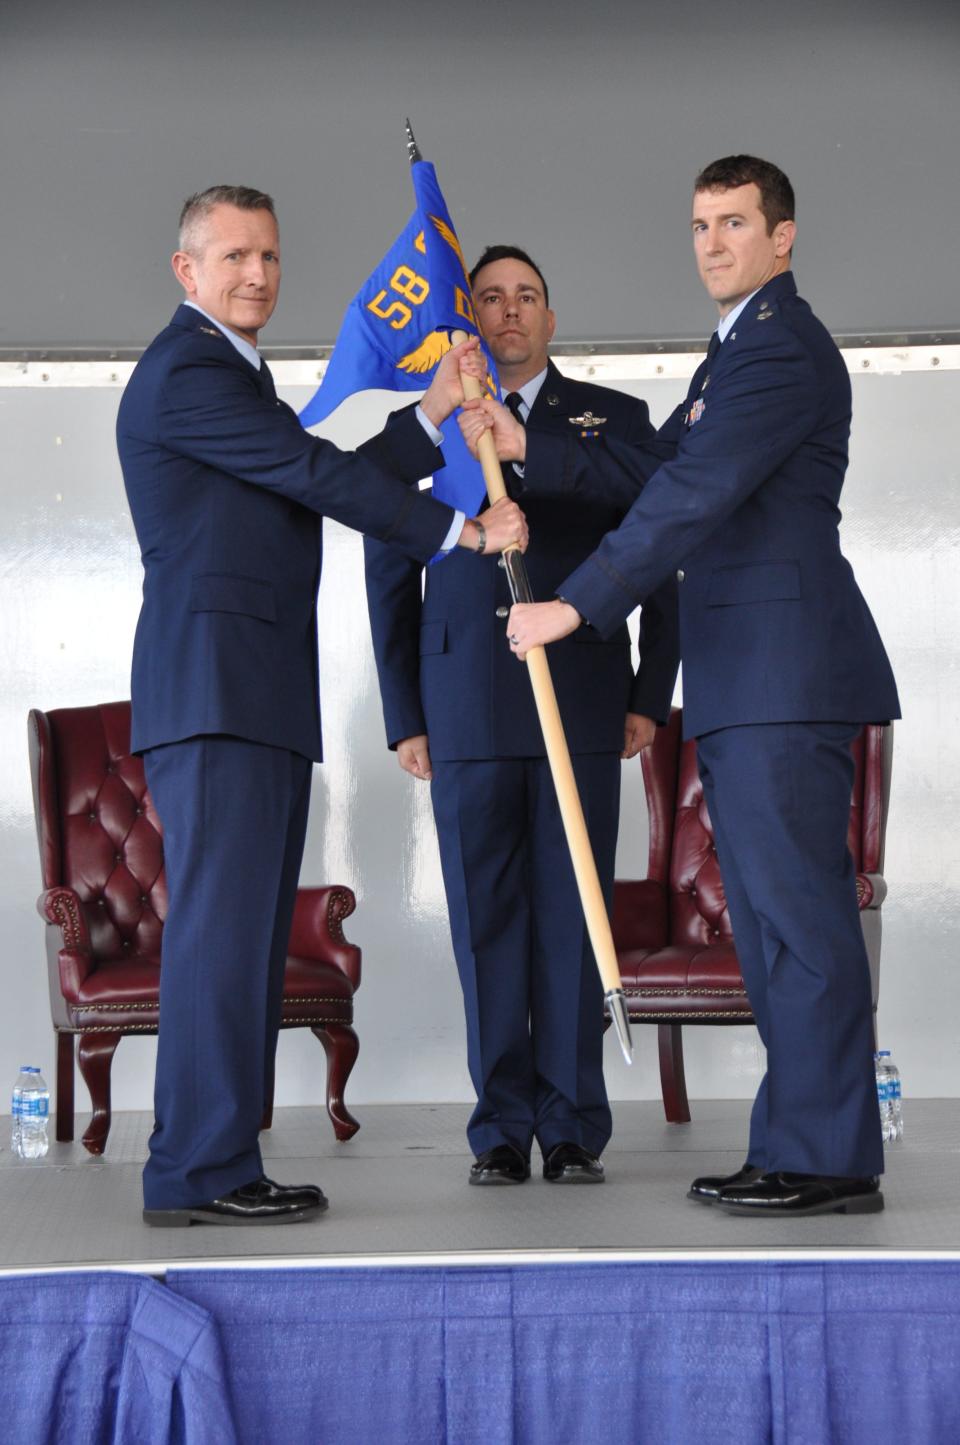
(399,1189)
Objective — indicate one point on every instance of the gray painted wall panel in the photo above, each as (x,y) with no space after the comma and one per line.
(575,130)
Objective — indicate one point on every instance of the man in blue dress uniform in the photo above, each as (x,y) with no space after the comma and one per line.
(460,712)
(227,493)
(782,664)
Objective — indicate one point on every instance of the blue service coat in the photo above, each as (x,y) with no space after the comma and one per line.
(775,635)
(773,627)
(227,493)
(443,661)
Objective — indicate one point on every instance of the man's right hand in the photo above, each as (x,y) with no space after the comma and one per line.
(413,755)
(504,525)
(485,414)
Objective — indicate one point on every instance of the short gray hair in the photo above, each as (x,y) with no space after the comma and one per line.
(196,209)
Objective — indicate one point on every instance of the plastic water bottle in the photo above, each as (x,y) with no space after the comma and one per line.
(888,1094)
(30,1109)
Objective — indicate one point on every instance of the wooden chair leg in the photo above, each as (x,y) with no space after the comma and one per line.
(341,1046)
(673,1084)
(64,1088)
(95,1056)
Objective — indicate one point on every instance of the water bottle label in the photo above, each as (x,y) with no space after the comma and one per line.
(36,1108)
(883,1090)
(894,1088)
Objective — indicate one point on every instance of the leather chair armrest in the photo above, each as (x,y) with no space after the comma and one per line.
(61,909)
(61,906)
(317,930)
(871,890)
(640,914)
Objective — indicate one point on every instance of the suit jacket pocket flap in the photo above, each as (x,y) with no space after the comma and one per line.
(758,582)
(433,638)
(223,592)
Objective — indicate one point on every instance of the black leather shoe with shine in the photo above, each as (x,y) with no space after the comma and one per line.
(260,1202)
(708,1186)
(796,1194)
(313,1189)
(572,1164)
(503,1164)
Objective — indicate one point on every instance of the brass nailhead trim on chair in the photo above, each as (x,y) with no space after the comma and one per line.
(678,991)
(647,1016)
(337,911)
(68,918)
(142,1007)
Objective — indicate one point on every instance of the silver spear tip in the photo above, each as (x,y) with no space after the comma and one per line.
(413,150)
(617,1008)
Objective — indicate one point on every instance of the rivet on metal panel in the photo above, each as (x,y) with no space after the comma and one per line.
(45,376)
(113,376)
(591,370)
(659,370)
(934,361)
(865,362)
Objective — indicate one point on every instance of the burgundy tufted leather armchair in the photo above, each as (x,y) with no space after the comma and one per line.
(104,902)
(672,930)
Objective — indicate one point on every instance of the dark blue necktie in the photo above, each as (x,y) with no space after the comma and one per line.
(512,401)
(266,381)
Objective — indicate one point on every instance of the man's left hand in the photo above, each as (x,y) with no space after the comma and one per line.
(533,624)
(638,732)
(445,392)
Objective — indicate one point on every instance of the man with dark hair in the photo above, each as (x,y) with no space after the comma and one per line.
(511,253)
(460,713)
(776,199)
(782,665)
(227,493)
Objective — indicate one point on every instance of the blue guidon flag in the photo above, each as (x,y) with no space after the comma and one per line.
(398,326)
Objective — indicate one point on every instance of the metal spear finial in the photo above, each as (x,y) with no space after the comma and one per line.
(413,150)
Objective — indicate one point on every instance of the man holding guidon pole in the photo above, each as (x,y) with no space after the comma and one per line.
(782,665)
(461,714)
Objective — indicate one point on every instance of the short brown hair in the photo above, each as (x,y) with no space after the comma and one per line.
(197,207)
(776,192)
(509,253)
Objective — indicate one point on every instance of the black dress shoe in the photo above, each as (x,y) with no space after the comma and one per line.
(708,1186)
(504,1164)
(261,1202)
(313,1189)
(803,1194)
(572,1164)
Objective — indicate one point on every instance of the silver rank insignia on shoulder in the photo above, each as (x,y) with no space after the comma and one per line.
(588,419)
(765,313)
(211,331)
